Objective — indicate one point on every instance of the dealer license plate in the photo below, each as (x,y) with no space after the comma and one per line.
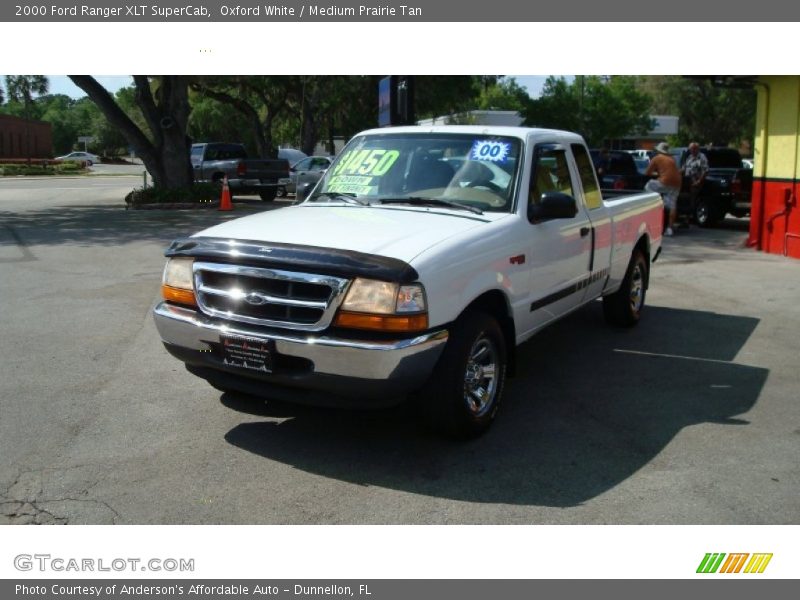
(247,353)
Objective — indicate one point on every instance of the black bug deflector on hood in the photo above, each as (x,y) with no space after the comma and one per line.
(312,259)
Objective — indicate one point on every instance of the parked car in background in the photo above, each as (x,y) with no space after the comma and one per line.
(212,162)
(87,157)
(291,155)
(308,170)
(621,172)
(726,188)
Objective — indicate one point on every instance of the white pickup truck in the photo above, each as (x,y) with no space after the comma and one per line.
(414,269)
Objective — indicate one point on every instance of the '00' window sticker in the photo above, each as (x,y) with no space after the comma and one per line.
(490,150)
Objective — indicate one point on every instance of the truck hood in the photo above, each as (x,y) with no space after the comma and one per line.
(395,232)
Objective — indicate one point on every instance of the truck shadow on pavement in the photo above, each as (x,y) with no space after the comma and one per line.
(590,406)
(112,225)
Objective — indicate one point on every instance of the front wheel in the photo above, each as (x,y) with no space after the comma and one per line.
(465,390)
(705,213)
(624,307)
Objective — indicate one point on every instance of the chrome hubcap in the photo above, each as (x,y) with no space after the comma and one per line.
(480,378)
(637,288)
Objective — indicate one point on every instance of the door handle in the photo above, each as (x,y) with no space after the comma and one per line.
(585,231)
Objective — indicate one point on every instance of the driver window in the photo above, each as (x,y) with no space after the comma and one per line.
(550,174)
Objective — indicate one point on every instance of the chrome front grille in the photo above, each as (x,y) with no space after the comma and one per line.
(268,297)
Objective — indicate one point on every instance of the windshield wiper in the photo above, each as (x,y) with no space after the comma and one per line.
(343,196)
(421,201)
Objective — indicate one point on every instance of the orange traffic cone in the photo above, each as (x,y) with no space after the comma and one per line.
(225,201)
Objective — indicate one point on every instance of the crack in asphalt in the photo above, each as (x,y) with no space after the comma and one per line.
(30,510)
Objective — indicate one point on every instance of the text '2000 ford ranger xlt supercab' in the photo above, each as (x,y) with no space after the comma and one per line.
(414,269)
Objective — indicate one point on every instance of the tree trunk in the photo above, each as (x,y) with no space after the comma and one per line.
(166,153)
(331,141)
(310,132)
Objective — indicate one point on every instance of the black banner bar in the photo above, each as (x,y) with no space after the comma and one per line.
(463,11)
(731,588)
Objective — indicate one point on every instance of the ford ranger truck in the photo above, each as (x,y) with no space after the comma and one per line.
(417,265)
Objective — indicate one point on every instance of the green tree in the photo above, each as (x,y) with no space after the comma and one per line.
(710,112)
(23,88)
(164,144)
(213,121)
(503,94)
(259,99)
(438,95)
(67,122)
(599,108)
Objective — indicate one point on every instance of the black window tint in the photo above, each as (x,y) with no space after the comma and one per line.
(550,174)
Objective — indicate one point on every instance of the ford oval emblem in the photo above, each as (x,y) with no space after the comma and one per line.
(255,299)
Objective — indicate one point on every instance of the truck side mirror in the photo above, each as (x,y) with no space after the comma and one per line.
(304,190)
(553,205)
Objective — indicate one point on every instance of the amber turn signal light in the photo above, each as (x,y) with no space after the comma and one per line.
(353,320)
(178,295)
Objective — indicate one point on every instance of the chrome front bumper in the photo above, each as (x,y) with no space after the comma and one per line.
(378,371)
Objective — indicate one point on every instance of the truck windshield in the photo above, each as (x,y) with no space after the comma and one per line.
(472,170)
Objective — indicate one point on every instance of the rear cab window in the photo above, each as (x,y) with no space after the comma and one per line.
(591,192)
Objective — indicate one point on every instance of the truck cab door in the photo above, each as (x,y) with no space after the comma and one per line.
(601,226)
(559,247)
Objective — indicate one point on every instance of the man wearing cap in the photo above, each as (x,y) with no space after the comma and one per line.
(668,183)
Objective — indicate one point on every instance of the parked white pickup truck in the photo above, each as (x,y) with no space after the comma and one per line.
(415,267)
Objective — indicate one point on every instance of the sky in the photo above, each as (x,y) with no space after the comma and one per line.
(61,84)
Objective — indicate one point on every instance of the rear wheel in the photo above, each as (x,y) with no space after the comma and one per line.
(281,192)
(624,307)
(465,390)
(268,195)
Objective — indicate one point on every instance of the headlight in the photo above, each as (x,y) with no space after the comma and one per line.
(366,295)
(176,284)
(380,305)
(380,297)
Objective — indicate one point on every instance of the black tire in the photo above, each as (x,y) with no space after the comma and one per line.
(624,307)
(281,191)
(450,399)
(268,195)
(705,213)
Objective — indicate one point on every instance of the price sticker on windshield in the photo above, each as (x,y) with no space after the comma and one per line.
(490,150)
(349,184)
(375,162)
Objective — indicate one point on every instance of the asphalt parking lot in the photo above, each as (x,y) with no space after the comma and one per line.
(692,417)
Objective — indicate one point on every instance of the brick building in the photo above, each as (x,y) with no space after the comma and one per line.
(25,138)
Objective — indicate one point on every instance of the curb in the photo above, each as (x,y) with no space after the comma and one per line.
(214,205)
(54,177)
